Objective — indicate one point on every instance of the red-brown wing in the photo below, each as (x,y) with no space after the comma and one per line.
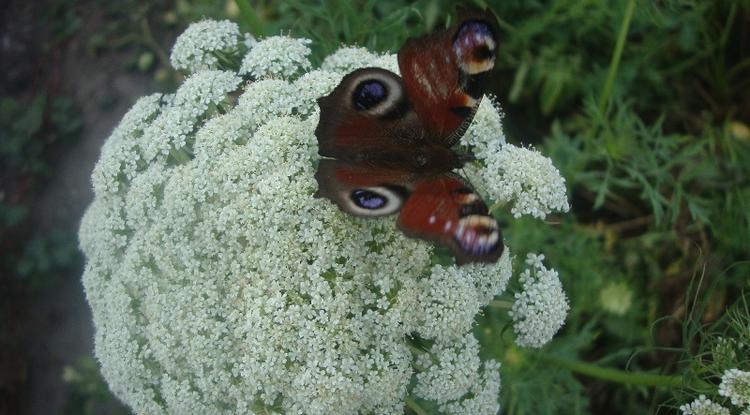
(438,208)
(361,189)
(368,111)
(445,210)
(374,109)
(444,75)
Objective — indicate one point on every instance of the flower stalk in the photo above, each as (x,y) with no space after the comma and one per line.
(614,375)
(615,63)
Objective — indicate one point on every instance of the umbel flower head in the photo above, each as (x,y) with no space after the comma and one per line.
(219,284)
(703,406)
(735,385)
(540,309)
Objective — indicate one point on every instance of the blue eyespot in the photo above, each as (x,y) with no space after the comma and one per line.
(474,38)
(367,199)
(368,94)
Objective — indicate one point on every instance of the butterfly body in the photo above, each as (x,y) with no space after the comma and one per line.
(389,141)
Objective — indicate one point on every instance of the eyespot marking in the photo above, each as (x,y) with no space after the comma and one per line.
(367,199)
(477,235)
(474,208)
(376,92)
(372,201)
(368,94)
(474,46)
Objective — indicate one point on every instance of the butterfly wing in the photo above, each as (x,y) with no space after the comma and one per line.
(440,208)
(374,111)
(444,74)
(446,210)
(366,113)
(392,137)
(363,190)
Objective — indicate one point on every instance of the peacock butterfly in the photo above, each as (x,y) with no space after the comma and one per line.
(388,140)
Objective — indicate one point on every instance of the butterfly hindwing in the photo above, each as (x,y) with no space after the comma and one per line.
(446,210)
(363,190)
(440,208)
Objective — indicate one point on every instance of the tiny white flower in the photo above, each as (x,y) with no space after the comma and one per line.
(540,309)
(276,57)
(483,398)
(450,370)
(348,58)
(534,260)
(735,385)
(311,86)
(485,134)
(249,41)
(703,406)
(522,177)
(198,46)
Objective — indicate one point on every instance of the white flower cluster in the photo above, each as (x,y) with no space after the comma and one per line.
(540,309)
(219,284)
(511,174)
(703,406)
(198,46)
(276,57)
(349,58)
(450,371)
(735,385)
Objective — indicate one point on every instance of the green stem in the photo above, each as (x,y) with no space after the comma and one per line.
(414,406)
(615,375)
(619,46)
(501,304)
(250,17)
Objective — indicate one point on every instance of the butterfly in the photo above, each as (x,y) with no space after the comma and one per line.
(388,140)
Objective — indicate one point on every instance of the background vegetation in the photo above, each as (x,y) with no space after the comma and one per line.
(643,105)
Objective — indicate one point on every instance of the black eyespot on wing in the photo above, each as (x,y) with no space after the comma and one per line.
(474,45)
(478,238)
(483,52)
(368,94)
(477,207)
(477,84)
(367,199)
(474,35)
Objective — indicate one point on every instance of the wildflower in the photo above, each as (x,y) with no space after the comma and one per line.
(276,57)
(540,309)
(616,298)
(348,58)
(735,385)
(703,406)
(528,180)
(199,46)
(219,284)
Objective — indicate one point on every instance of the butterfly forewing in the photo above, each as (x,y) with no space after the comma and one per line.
(367,111)
(443,74)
